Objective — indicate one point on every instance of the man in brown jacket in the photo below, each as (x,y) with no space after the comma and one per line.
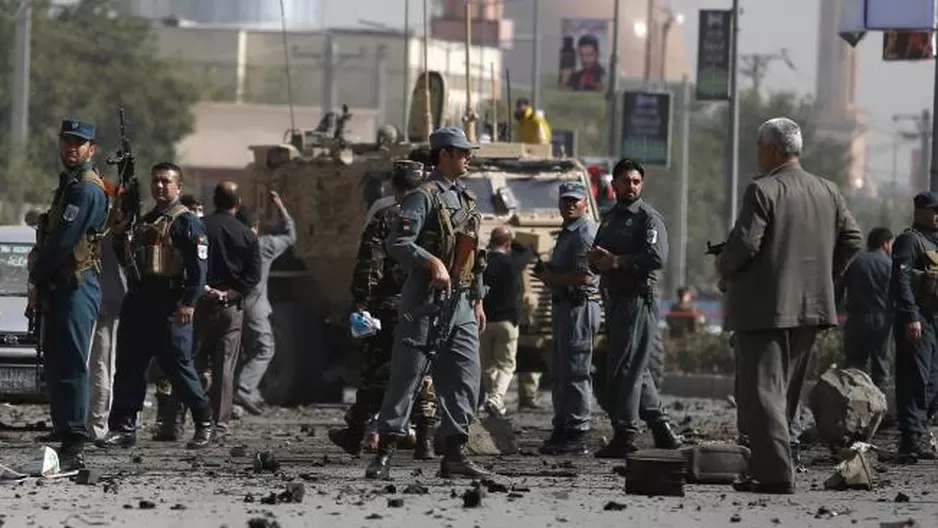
(794,235)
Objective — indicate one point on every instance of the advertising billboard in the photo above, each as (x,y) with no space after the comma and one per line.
(714,38)
(646,128)
(584,55)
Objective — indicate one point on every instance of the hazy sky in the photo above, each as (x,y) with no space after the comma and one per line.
(766,26)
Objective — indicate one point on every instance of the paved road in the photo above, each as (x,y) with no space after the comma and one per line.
(214,488)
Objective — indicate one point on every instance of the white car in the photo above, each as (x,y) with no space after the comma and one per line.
(20,371)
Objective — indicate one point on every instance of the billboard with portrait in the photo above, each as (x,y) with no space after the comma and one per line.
(584,54)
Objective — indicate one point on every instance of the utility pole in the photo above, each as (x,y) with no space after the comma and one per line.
(19,121)
(732,138)
(681,275)
(470,117)
(933,151)
(612,96)
(407,87)
(331,60)
(649,34)
(535,59)
(381,85)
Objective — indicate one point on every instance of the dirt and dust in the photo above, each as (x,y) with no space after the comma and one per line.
(274,473)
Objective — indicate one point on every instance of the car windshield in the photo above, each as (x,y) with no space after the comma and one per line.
(534,193)
(13,273)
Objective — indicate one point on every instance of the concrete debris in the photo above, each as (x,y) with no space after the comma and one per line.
(308,430)
(908,523)
(395,503)
(736,518)
(146,505)
(178,507)
(614,506)
(374,516)
(390,488)
(846,406)
(87,477)
(239,451)
(472,498)
(494,487)
(266,461)
(264,522)
(901,497)
(415,489)
(293,494)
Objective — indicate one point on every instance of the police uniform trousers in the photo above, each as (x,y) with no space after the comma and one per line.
(218,329)
(630,393)
(867,343)
(258,350)
(376,372)
(148,330)
(70,312)
(455,369)
(771,367)
(574,326)
(916,377)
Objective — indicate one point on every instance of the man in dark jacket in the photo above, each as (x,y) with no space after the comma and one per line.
(868,331)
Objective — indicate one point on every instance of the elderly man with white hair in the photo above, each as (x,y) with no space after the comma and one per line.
(793,237)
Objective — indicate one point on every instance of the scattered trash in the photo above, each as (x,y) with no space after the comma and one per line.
(472,498)
(908,523)
(87,477)
(395,503)
(494,487)
(901,497)
(146,505)
(415,489)
(853,472)
(736,518)
(614,506)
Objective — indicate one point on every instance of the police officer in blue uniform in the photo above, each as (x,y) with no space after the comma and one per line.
(423,240)
(64,272)
(169,251)
(576,314)
(630,250)
(912,288)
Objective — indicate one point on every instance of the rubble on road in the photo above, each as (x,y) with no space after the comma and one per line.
(846,406)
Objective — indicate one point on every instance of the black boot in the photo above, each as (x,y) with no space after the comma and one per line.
(204,434)
(620,446)
(547,447)
(170,419)
(349,439)
(71,454)
(570,443)
(455,463)
(122,432)
(918,446)
(380,466)
(424,448)
(664,435)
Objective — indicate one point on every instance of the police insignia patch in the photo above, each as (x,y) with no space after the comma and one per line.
(652,236)
(70,213)
(202,247)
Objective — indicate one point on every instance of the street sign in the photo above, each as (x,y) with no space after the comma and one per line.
(714,39)
(908,45)
(646,127)
(908,15)
(563,142)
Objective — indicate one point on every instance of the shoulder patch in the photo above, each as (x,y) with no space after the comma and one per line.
(70,213)
(652,236)
(202,246)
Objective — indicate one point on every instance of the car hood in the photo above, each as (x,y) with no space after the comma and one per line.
(13,315)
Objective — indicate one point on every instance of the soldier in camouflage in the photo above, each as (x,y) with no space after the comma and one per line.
(376,287)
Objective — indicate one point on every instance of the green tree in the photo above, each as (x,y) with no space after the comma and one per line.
(85,62)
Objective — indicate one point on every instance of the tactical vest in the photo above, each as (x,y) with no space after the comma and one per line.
(454,212)
(86,255)
(153,248)
(925,280)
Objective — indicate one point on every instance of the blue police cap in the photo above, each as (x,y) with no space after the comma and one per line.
(573,189)
(453,137)
(80,129)
(926,200)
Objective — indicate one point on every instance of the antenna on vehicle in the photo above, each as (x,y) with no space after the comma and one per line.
(428,117)
(469,119)
(296,137)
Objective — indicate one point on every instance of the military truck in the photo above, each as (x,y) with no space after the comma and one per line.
(328,186)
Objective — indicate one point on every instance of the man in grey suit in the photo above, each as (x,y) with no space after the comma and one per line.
(793,237)
(101,362)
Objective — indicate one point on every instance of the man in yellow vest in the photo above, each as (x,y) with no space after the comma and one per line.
(532,126)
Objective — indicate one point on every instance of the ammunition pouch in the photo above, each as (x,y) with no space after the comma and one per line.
(153,250)
(86,255)
(456,214)
(926,291)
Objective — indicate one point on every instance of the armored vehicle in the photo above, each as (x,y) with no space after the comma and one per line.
(328,186)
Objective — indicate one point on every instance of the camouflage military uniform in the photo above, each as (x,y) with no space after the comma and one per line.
(376,287)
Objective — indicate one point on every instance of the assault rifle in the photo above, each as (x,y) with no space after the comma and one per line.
(442,309)
(128,195)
